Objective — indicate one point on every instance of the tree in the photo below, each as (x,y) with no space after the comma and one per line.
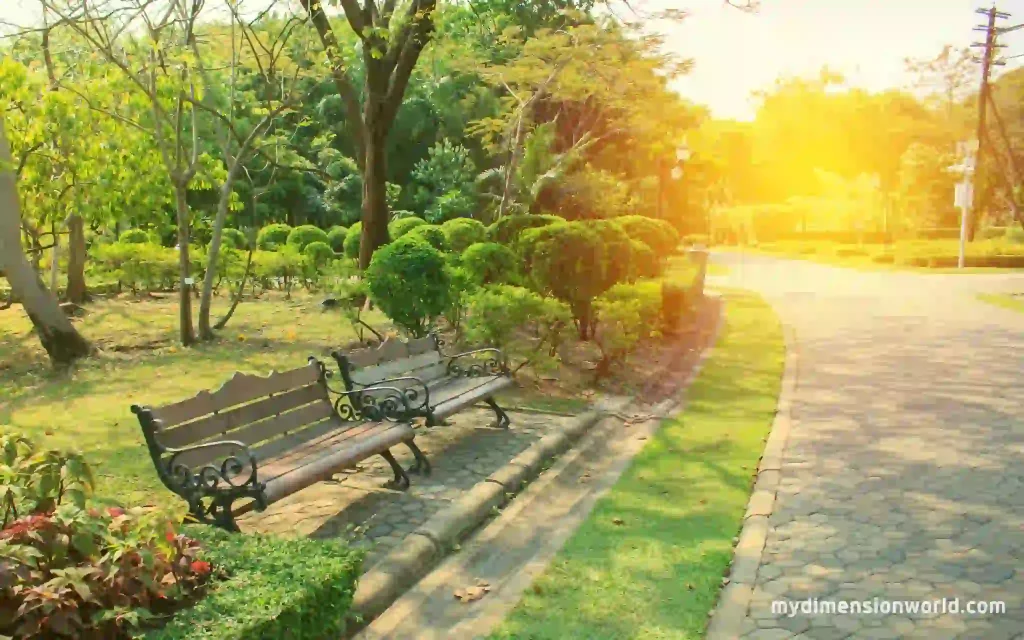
(392,41)
(58,336)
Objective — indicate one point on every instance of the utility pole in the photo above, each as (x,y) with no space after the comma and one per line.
(970,222)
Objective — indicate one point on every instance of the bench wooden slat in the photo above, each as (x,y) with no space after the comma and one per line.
(390,349)
(395,369)
(257,432)
(282,453)
(336,455)
(455,403)
(222,423)
(241,388)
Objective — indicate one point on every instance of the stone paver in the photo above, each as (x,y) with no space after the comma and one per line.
(355,506)
(903,476)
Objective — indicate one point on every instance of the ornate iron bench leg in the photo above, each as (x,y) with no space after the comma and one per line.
(503,419)
(401,480)
(216,513)
(422,464)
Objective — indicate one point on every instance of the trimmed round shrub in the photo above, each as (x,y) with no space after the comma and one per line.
(618,250)
(490,263)
(508,229)
(463,232)
(431,234)
(233,239)
(645,264)
(400,227)
(659,235)
(409,283)
(355,232)
(564,260)
(336,238)
(272,237)
(319,253)
(306,234)
(135,236)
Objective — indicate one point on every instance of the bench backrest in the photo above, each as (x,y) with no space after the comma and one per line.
(419,358)
(268,414)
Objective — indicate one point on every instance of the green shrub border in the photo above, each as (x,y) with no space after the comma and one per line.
(277,587)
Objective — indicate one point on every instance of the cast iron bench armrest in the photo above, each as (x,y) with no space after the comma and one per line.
(212,478)
(412,394)
(367,403)
(494,365)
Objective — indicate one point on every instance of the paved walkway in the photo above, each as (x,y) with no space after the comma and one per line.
(903,478)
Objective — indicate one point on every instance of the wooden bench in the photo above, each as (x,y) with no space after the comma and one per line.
(258,439)
(435,385)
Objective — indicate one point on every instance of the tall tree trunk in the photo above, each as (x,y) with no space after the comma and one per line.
(77,291)
(375,204)
(206,299)
(186,333)
(58,336)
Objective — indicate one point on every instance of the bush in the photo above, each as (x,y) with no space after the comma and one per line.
(277,588)
(450,206)
(68,570)
(516,320)
(565,260)
(272,237)
(659,235)
(463,232)
(272,267)
(507,230)
(301,236)
(140,267)
(409,282)
(234,239)
(135,236)
(318,253)
(626,315)
(849,252)
(336,238)
(490,263)
(644,263)
(401,226)
(352,239)
(618,250)
(431,234)
(1014,234)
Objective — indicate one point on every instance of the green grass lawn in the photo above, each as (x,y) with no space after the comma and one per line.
(680,504)
(1015,302)
(88,409)
(830,253)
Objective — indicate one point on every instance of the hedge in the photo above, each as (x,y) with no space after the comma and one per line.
(293,588)
(306,234)
(508,229)
(336,238)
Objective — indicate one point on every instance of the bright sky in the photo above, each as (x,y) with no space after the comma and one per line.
(867,40)
(736,53)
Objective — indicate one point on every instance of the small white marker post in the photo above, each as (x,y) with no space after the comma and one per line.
(963,196)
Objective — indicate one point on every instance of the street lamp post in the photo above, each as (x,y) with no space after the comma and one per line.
(682,157)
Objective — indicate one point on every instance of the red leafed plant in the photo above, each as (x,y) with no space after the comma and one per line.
(74,572)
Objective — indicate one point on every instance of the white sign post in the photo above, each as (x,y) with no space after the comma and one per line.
(963,197)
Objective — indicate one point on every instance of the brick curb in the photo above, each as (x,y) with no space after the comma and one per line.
(408,562)
(727,618)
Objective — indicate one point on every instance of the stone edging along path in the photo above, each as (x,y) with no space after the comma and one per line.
(727,618)
(418,553)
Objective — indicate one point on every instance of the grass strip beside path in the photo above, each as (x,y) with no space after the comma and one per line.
(649,560)
(1014,302)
